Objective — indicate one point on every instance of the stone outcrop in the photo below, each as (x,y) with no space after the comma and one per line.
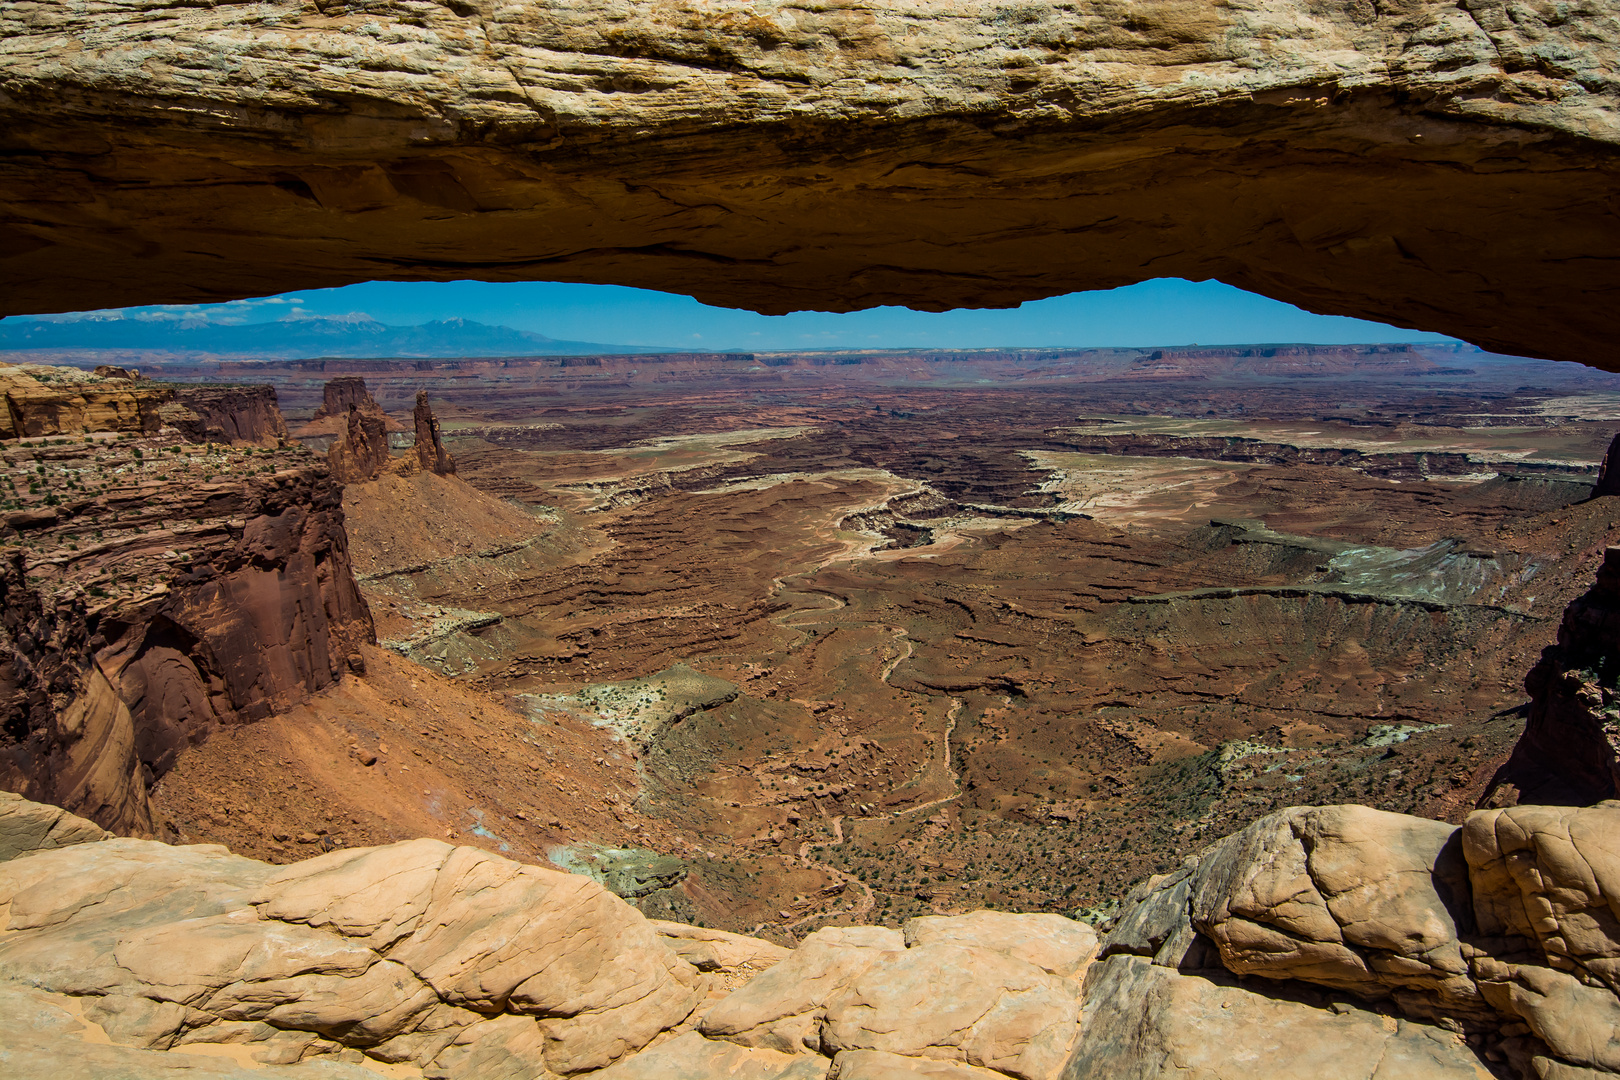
(1319,943)
(1426,164)
(418,953)
(733,959)
(1146,1021)
(27,827)
(1499,932)
(692,1057)
(1569,752)
(357,428)
(341,394)
(44,401)
(1609,475)
(226,414)
(994,992)
(361,451)
(231,598)
(430,451)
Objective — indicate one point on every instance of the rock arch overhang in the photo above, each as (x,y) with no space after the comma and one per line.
(1438,164)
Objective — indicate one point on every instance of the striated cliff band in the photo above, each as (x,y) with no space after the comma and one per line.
(155,588)
(1427,163)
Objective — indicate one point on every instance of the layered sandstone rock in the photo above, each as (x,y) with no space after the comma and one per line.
(27,827)
(1569,752)
(1426,163)
(356,427)
(42,401)
(45,401)
(1321,942)
(341,394)
(231,598)
(361,450)
(226,414)
(992,992)
(1145,1021)
(1500,932)
(692,1057)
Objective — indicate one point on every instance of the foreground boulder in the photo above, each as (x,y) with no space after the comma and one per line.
(988,990)
(1145,1021)
(1497,940)
(27,827)
(1318,943)
(447,958)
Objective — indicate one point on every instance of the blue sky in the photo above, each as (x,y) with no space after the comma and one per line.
(1163,312)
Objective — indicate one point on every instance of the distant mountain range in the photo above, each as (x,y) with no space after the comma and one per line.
(293,339)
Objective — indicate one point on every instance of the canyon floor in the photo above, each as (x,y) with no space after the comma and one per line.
(855,649)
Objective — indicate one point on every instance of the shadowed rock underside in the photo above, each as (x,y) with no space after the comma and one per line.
(1436,165)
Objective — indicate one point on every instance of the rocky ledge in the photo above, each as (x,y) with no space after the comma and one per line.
(41,401)
(1319,943)
(1427,163)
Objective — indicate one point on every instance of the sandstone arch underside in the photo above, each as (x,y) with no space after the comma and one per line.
(1443,165)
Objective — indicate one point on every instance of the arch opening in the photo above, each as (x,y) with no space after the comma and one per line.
(1420,168)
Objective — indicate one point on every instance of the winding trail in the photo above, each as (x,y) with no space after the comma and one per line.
(945,761)
(856,910)
(867,899)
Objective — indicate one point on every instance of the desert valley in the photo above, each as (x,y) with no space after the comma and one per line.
(772,645)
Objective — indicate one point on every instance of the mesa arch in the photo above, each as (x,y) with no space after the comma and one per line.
(1437,164)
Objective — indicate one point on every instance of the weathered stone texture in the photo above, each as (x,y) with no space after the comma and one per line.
(1503,931)
(990,991)
(226,414)
(360,450)
(40,401)
(430,451)
(1146,1022)
(418,953)
(1429,163)
(27,827)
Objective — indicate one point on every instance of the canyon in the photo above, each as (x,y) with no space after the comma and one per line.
(791,676)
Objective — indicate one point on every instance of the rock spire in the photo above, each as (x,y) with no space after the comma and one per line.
(360,452)
(430,449)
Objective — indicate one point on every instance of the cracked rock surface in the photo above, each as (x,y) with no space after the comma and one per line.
(1319,943)
(443,957)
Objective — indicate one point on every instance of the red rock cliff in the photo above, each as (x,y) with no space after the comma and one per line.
(226,414)
(430,449)
(239,602)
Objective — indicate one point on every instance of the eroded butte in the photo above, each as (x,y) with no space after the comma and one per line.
(1432,164)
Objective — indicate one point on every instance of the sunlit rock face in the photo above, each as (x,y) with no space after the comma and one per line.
(1434,164)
